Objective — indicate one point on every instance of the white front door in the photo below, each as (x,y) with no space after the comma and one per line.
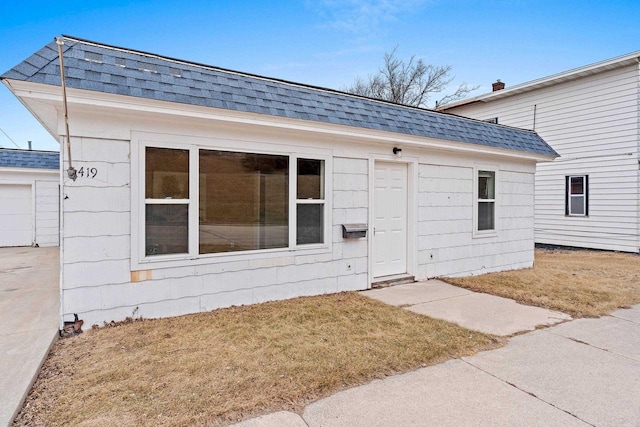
(390,219)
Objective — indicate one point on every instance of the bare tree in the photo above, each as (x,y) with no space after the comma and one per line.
(411,83)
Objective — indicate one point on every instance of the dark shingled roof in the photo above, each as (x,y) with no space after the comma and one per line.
(102,68)
(10,158)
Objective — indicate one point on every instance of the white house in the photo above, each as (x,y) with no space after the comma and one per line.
(29,182)
(199,187)
(590,196)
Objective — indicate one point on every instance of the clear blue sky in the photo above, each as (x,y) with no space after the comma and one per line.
(326,42)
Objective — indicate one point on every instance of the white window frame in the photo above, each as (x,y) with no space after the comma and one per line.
(293,169)
(584,195)
(476,200)
(168,201)
(139,142)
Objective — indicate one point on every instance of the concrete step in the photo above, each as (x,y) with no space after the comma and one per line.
(387,281)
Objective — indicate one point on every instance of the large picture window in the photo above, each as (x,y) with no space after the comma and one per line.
(486,200)
(577,195)
(244,201)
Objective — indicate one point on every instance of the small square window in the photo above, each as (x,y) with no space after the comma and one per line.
(310,179)
(486,185)
(310,222)
(167,229)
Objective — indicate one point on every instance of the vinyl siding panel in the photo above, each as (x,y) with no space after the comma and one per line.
(593,123)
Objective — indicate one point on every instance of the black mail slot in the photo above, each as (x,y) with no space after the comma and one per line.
(351,231)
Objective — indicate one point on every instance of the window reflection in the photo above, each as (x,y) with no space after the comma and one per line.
(167,173)
(244,201)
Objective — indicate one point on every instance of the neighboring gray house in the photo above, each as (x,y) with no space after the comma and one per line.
(590,196)
(29,182)
(204,188)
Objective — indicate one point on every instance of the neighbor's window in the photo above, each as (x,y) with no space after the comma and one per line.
(577,195)
(166,201)
(486,200)
(243,201)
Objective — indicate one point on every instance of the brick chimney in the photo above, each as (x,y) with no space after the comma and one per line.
(498,85)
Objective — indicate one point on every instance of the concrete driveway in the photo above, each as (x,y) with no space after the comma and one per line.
(29,307)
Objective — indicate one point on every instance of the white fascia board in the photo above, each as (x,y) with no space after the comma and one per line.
(88,99)
(36,171)
(11,85)
(575,73)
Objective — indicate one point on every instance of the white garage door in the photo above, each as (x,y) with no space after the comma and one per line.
(15,215)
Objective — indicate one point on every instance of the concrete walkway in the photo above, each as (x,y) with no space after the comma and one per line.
(578,373)
(472,310)
(29,295)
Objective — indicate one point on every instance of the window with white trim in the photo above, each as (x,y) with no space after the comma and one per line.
(166,201)
(486,196)
(577,195)
(310,201)
(201,202)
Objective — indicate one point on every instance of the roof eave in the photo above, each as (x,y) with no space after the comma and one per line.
(52,131)
(28,91)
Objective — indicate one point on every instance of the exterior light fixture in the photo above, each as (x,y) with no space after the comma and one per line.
(397,152)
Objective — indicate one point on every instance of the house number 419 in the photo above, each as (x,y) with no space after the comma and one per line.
(87,172)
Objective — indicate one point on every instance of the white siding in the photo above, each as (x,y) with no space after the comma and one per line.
(47,212)
(101,281)
(592,122)
(97,272)
(446,244)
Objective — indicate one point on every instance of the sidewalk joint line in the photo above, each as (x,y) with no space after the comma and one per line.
(606,350)
(526,392)
(438,300)
(622,318)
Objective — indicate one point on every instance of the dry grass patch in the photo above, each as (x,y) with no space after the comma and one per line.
(582,283)
(219,367)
